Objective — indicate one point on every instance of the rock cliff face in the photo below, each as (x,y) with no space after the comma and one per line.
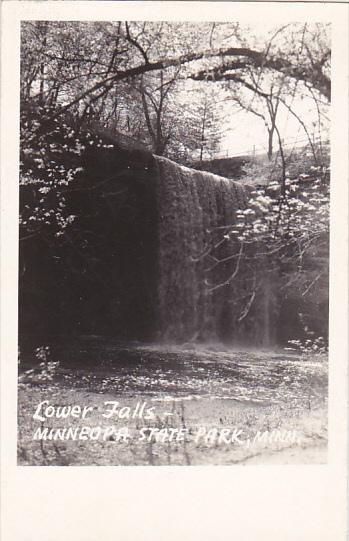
(146,257)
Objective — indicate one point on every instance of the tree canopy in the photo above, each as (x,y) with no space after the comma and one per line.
(138,78)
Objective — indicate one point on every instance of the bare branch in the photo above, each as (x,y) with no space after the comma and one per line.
(232,276)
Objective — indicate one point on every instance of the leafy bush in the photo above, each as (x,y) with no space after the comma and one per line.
(44,372)
(309,346)
(284,231)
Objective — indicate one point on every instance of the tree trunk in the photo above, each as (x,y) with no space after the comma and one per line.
(270,143)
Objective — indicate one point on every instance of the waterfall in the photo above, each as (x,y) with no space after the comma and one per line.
(194,208)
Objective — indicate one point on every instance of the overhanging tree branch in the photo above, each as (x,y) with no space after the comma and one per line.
(312,74)
(246,58)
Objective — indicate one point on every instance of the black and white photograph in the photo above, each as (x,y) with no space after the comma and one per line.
(174,270)
(173,280)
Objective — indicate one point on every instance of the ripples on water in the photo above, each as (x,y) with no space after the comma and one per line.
(165,373)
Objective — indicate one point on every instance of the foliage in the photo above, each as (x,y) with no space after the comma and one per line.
(309,346)
(51,168)
(300,216)
(44,372)
(286,234)
(136,77)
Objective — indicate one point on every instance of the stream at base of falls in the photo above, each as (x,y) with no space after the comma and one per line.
(188,372)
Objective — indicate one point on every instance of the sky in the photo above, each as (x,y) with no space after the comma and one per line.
(247,133)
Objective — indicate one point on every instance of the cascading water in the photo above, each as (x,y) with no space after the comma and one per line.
(196,288)
(204,287)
